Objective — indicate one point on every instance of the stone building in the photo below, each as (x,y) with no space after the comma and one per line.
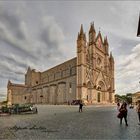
(89,76)
(136,97)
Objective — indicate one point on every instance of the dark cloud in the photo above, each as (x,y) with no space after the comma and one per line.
(12,22)
(12,76)
(52,37)
(14,45)
(45,37)
(121,45)
(13,61)
(24,43)
(43,34)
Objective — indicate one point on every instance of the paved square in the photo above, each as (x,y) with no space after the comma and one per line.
(63,122)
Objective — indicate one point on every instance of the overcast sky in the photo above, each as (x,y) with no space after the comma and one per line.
(43,34)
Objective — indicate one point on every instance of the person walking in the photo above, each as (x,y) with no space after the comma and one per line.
(138,111)
(118,106)
(123,113)
(80,106)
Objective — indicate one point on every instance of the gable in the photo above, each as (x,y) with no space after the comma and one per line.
(100,77)
(99,41)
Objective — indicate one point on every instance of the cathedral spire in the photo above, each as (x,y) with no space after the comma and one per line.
(105,40)
(81,39)
(92,29)
(81,35)
(106,44)
(92,34)
(29,68)
(9,83)
(81,30)
(111,57)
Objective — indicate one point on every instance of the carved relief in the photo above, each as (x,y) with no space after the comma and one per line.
(89,74)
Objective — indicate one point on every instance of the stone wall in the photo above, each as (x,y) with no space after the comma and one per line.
(56,92)
(61,71)
(54,86)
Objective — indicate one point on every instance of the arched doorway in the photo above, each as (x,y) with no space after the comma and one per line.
(101,93)
(89,92)
(98,97)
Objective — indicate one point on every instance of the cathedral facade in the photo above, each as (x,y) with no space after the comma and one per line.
(88,77)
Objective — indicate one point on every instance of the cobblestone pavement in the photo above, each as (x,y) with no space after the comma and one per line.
(65,122)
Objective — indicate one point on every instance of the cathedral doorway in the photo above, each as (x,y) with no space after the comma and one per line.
(101,94)
(98,97)
(89,92)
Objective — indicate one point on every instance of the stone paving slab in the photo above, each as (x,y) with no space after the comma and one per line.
(65,122)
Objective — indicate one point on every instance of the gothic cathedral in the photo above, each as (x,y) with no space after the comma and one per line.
(88,77)
(95,68)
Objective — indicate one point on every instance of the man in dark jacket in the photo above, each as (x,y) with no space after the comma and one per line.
(80,106)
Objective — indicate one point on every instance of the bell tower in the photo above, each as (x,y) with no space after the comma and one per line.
(81,61)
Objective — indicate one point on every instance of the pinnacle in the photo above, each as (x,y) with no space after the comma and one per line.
(105,40)
(92,29)
(81,30)
(111,56)
(29,68)
(78,36)
(81,35)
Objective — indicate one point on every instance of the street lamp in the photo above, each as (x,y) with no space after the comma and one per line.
(138,31)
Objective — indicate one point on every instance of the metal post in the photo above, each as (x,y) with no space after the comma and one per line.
(138,31)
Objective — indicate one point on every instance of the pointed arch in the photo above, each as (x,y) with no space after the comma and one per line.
(89,85)
(101,85)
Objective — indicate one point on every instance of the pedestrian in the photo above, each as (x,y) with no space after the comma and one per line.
(118,106)
(138,111)
(80,106)
(123,113)
(68,103)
